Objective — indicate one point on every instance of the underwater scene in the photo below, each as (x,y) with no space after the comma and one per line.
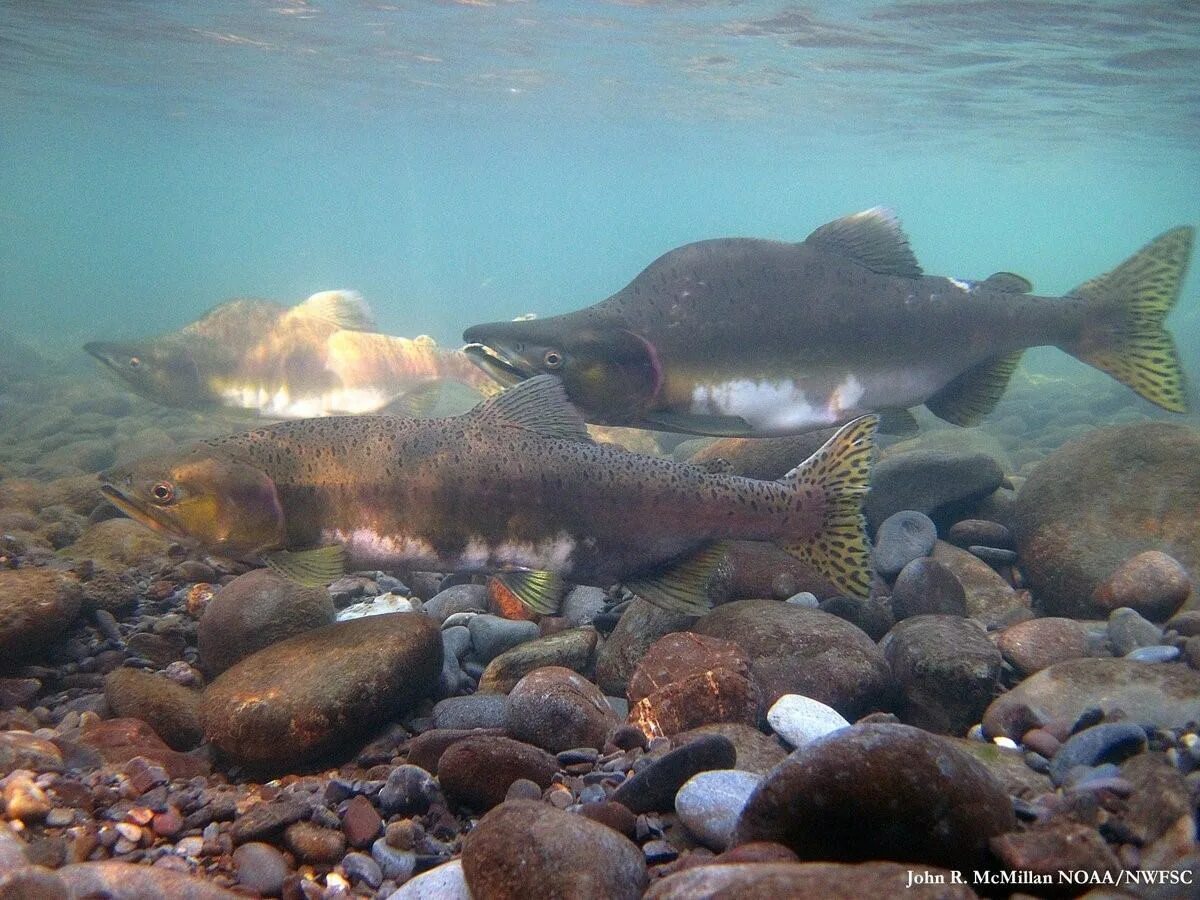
(511,449)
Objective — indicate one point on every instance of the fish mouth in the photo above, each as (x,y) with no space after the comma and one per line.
(140,512)
(100,352)
(499,365)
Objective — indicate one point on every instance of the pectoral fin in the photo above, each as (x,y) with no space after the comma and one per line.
(696,423)
(540,592)
(974,393)
(312,568)
(899,422)
(684,586)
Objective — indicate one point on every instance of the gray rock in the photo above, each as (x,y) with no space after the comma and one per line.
(459,598)
(801,720)
(360,867)
(926,587)
(710,803)
(903,536)
(1127,631)
(804,599)
(942,483)
(445,882)
(639,626)
(261,868)
(472,711)
(456,641)
(583,604)
(1155,653)
(492,635)
(654,787)
(979,532)
(396,865)
(1110,742)
(993,556)
(558,709)
(409,790)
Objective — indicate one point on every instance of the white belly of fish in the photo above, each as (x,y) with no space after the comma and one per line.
(789,406)
(552,554)
(283,404)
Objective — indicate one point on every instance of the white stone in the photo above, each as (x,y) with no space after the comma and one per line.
(800,720)
(376,606)
(711,803)
(446,882)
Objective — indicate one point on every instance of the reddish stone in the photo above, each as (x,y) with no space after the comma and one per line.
(427,748)
(757,852)
(1063,845)
(144,775)
(676,656)
(120,740)
(1152,583)
(1040,643)
(167,824)
(361,823)
(703,698)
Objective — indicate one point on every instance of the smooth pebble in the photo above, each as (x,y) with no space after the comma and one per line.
(800,720)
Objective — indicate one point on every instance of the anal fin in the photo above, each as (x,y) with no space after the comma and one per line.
(312,568)
(975,393)
(683,587)
(699,423)
(539,591)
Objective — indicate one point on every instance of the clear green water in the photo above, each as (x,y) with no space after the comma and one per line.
(460,162)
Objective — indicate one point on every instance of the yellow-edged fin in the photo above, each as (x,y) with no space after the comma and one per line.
(540,592)
(1137,349)
(539,405)
(836,478)
(684,587)
(975,393)
(312,568)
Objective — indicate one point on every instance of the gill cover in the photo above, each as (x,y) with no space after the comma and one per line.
(612,376)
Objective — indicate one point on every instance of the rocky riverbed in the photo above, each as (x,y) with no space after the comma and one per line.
(1019,696)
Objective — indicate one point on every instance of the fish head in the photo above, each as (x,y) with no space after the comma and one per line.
(163,372)
(222,505)
(610,373)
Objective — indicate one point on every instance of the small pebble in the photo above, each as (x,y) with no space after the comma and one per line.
(710,803)
(260,867)
(805,600)
(800,720)
(993,556)
(1155,653)
(362,868)
(396,865)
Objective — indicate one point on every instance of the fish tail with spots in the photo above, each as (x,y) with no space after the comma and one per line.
(1125,334)
(826,528)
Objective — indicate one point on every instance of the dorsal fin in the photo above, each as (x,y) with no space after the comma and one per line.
(1008,282)
(540,405)
(345,309)
(872,238)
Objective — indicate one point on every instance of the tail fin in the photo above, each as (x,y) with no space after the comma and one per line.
(833,481)
(1125,335)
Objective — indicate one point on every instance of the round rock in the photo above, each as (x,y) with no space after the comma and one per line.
(926,587)
(492,635)
(1109,742)
(903,537)
(654,787)
(794,650)
(172,710)
(1165,696)
(37,606)
(801,720)
(710,803)
(572,649)
(445,882)
(478,771)
(558,709)
(260,867)
(946,669)
(1039,643)
(1152,583)
(525,850)
(913,797)
(1101,499)
(810,881)
(310,694)
(940,482)
(254,611)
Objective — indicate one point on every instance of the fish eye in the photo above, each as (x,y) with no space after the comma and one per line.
(134,362)
(163,492)
(552,359)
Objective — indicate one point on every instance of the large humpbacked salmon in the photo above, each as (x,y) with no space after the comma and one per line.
(514,487)
(746,337)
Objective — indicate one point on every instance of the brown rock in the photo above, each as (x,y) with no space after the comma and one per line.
(757,852)
(1061,845)
(557,709)
(1008,767)
(1099,500)
(926,587)
(794,650)
(316,845)
(702,698)
(129,881)
(766,459)
(574,649)
(361,823)
(1164,694)
(1152,583)
(32,883)
(1040,643)
(990,599)
(809,881)
(1159,799)
(23,750)
(120,740)
(640,626)
(37,606)
(756,752)
(946,669)
(254,611)
(477,771)
(525,850)
(914,797)
(757,568)
(118,543)
(426,749)
(680,654)
(615,815)
(172,710)
(321,690)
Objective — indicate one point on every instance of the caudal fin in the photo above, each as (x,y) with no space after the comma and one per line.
(833,481)
(1125,334)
